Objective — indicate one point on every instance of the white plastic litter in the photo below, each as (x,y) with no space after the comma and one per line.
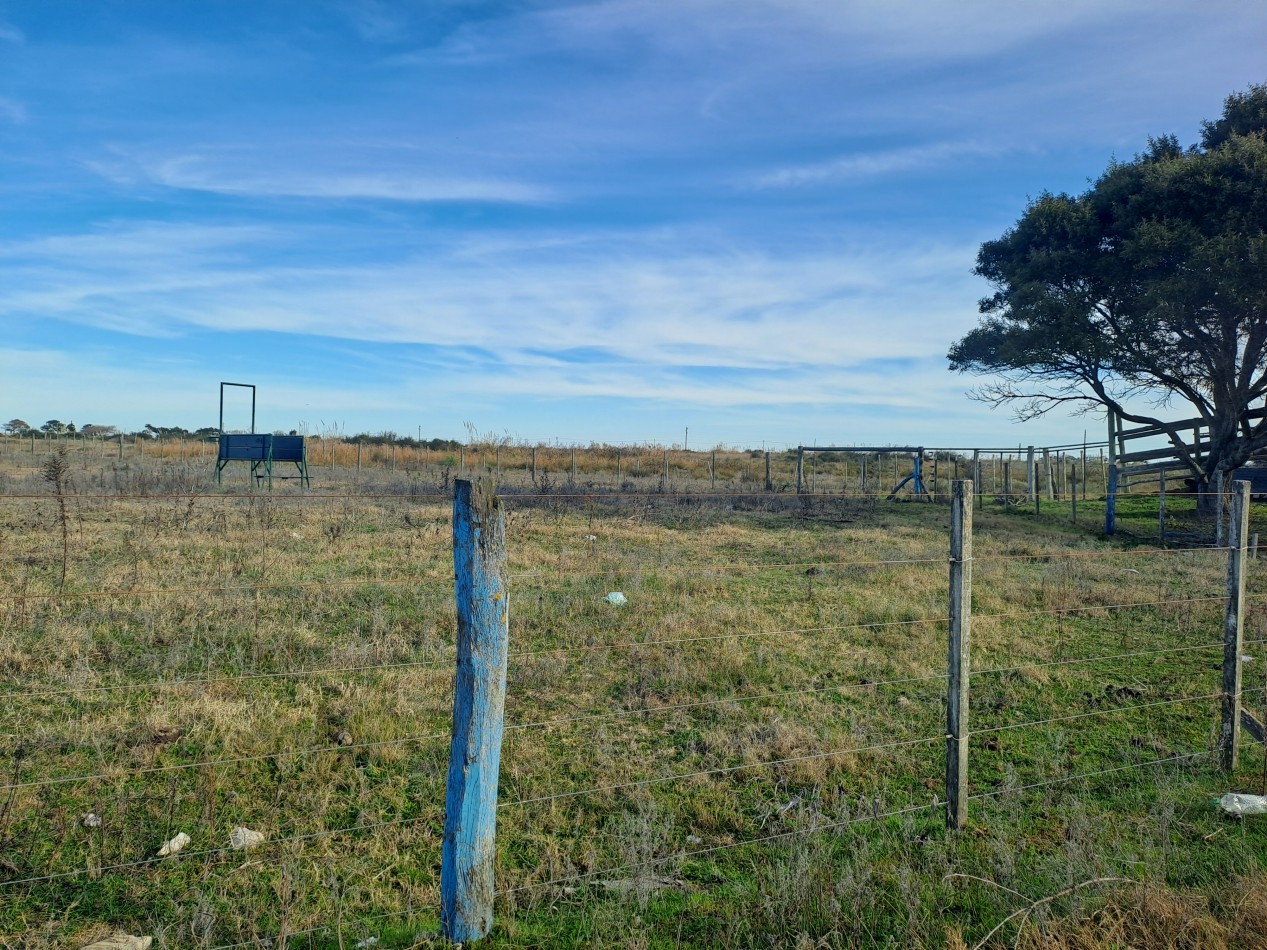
(616,598)
(241,839)
(1241,805)
(90,820)
(177,844)
(121,942)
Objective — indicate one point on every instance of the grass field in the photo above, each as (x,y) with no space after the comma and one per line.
(748,753)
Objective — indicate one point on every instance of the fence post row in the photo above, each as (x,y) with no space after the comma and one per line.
(1233,627)
(959,660)
(479,697)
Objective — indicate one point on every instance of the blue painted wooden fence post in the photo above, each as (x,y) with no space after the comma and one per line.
(479,694)
(1110,502)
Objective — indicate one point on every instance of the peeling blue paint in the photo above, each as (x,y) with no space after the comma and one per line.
(467,882)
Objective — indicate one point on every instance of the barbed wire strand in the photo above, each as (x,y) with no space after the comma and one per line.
(211,852)
(326,928)
(688,855)
(730,566)
(1097,712)
(229,589)
(651,710)
(725,770)
(1094,659)
(1052,611)
(994,793)
(626,644)
(1070,555)
(428,665)
(213,763)
(862,625)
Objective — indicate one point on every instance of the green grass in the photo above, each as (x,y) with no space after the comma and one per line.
(721,618)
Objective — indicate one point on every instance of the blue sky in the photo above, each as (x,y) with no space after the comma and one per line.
(578,221)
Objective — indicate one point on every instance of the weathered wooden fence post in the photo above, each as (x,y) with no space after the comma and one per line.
(712,471)
(800,466)
(1110,502)
(1220,510)
(1073,495)
(1233,626)
(769,485)
(479,696)
(1031,476)
(976,477)
(960,641)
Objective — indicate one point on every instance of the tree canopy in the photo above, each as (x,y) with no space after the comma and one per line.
(1152,283)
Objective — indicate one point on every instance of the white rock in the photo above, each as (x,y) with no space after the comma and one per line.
(241,839)
(90,820)
(174,846)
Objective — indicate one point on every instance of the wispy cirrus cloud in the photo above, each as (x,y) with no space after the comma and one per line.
(874,164)
(358,174)
(649,300)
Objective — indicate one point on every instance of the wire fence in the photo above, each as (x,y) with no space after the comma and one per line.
(758,686)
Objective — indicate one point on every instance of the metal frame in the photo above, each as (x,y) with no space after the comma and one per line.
(258,449)
(917,454)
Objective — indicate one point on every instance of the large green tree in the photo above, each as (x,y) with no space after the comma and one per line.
(1149,289)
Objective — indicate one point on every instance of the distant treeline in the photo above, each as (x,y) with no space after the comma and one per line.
(391,438)
(54,428)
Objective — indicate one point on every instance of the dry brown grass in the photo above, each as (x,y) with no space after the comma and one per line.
(1155,917)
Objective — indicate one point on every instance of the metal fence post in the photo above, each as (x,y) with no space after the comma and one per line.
(479,695)
(960,642)
(1233,626)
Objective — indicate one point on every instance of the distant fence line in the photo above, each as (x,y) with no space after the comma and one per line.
(844,469)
